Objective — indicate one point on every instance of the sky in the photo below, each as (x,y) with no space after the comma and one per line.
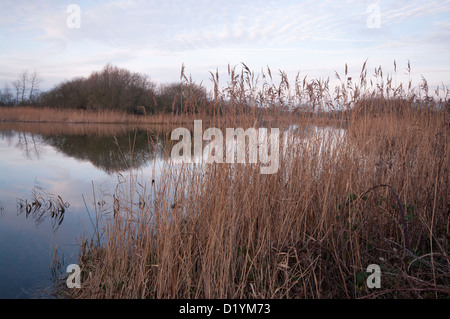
(65,39)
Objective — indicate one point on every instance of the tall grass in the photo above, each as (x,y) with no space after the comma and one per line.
(377,194)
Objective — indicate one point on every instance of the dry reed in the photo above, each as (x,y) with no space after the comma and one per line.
(308,231)
(30,114)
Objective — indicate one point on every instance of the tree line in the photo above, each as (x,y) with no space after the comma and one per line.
(111,88)
(23,91)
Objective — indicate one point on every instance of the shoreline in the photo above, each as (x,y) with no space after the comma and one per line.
(45,115)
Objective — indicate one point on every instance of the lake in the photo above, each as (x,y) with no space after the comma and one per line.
(70,166)
(56,183)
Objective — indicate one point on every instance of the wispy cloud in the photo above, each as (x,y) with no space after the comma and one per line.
(399,11)
(155,34)
(178,25)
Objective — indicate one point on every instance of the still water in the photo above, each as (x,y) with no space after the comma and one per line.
(64,171)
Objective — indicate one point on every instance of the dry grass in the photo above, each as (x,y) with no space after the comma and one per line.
(92,129)
(308,231)
(70,116)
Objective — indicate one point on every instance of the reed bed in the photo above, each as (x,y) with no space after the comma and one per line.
(92,129)
(377,194)
(30,114)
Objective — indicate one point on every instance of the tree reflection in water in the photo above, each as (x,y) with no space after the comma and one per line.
(111,150)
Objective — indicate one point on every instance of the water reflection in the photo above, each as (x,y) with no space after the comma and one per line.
(111,151)
(110,154)
(41,173)
(43,205)
(29,144)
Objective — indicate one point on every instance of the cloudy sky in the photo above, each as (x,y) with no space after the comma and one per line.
(316,38)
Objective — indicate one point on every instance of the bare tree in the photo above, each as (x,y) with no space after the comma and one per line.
(17,86)
(34,81)
(6,96)
(23,78)
(26,87)
(21,86)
